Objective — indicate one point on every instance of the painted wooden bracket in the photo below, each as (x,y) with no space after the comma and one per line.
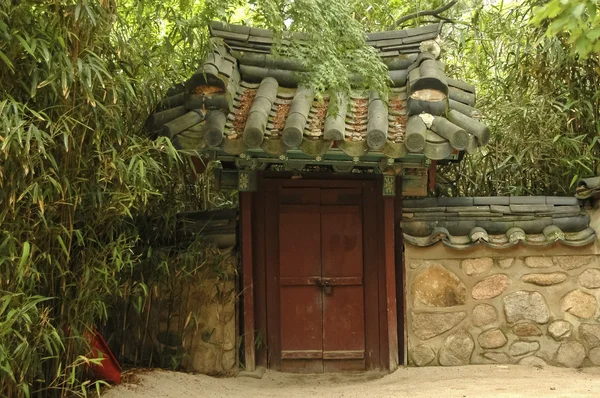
(390,171)
(248,167)
(247,181)
(389,185)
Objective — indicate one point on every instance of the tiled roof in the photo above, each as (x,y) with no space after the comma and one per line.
(243,98)
(498,222)
(512,237)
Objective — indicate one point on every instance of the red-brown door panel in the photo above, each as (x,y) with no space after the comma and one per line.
(301,319)
(343,300)
(301,306)
(320,280)
(341,237)
(292,196)
(343,319)
(299,241)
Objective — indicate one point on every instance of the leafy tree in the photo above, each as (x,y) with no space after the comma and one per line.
(539,99)
(77,81)
(579,19)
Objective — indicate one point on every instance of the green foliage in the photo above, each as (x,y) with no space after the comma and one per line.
(77,80)
(333,46)
(27,337)
(580,19)
(539,99)
(163,299)
(337,52)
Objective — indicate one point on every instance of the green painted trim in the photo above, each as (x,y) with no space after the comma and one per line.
(333,157)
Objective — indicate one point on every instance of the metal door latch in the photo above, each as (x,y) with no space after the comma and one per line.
(326,287)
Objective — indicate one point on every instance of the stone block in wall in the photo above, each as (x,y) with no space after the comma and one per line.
(590,278)
(560,329)
(497,357)
(476,266)
(506,263)
(493,338)
(418,263)
(520,348)
(422,355)
(532,361)
(545,279)
(414,264)
(589,333)
(579,303)
(573,262)
(426,325)
(570,354)
(490,287)
(525,305)
(526,329)
(539,262)
(457,349)
(594,356)
(484,314)
(435,286)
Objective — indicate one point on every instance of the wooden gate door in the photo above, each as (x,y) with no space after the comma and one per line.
(321,280)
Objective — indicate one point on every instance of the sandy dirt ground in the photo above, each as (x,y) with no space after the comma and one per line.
(475,381)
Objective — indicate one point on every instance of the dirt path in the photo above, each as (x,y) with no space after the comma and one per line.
(437,382)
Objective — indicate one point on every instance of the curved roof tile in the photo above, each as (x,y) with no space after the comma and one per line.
(588,188)
(239,69)
(501,241)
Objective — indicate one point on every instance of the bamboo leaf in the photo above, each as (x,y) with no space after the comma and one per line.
(6,61)
(25,254)
(574,180)
(25,45)
(63,246)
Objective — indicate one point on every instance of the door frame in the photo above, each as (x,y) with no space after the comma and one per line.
(382,221)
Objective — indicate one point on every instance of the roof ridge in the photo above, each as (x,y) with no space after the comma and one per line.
(371,36)
(389,43)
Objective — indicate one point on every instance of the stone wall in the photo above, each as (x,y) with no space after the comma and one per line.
(210,346)
(197,317)
(523,305)
(188,321)
(196,321)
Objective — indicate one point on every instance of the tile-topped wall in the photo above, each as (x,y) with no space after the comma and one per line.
(522,305)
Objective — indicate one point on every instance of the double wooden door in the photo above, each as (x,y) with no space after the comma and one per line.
(317,301)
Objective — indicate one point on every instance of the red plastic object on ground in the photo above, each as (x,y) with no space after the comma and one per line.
(109,370)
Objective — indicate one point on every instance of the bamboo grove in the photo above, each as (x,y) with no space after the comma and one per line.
(77,80)
(80,181)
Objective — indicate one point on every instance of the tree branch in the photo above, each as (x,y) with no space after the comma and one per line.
(432,13)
